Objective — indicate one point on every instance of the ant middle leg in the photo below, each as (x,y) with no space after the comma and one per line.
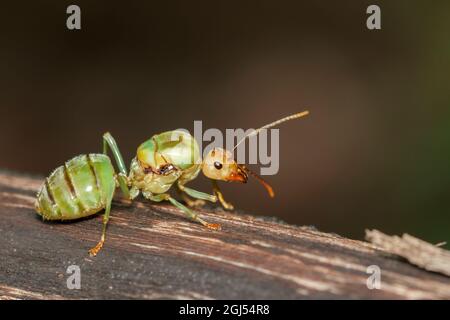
(188,212)
(190,202)
(195,194)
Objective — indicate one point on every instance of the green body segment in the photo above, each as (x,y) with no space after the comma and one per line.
(177,148)
(82,187)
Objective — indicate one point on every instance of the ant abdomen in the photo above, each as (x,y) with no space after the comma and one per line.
(79,188)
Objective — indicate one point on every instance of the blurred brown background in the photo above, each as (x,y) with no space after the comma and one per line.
(375,152)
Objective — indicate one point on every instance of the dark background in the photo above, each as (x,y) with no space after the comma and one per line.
(375,152)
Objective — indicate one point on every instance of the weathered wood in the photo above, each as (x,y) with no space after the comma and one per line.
(152,251)
(416,251)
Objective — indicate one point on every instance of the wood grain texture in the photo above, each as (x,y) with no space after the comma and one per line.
(416,251)
(152,251)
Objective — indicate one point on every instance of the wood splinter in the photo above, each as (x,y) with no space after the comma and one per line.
(418,252)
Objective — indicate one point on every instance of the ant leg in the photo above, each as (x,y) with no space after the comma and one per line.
(123,183)
(93,252)
(197,194)
(193,215)
(134,192)
(189,201)
(219,195)
(108,141)
(188,212)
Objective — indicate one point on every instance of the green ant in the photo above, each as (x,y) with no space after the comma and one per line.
(86,184)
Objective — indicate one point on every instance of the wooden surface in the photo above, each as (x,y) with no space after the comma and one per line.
(152,251)
(416,251)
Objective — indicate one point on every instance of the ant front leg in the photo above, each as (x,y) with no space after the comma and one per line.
(218,193)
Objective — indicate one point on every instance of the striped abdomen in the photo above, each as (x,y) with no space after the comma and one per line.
(78,189)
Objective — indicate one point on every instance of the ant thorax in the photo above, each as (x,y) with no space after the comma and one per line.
(153,180)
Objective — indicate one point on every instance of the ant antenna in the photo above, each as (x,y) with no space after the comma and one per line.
(273,124)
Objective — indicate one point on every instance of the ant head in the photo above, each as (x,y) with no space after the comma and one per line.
(220,165)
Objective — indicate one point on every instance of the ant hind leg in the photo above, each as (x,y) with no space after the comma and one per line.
(93,252)
(108,141)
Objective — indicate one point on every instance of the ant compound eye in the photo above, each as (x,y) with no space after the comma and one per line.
(217,165)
